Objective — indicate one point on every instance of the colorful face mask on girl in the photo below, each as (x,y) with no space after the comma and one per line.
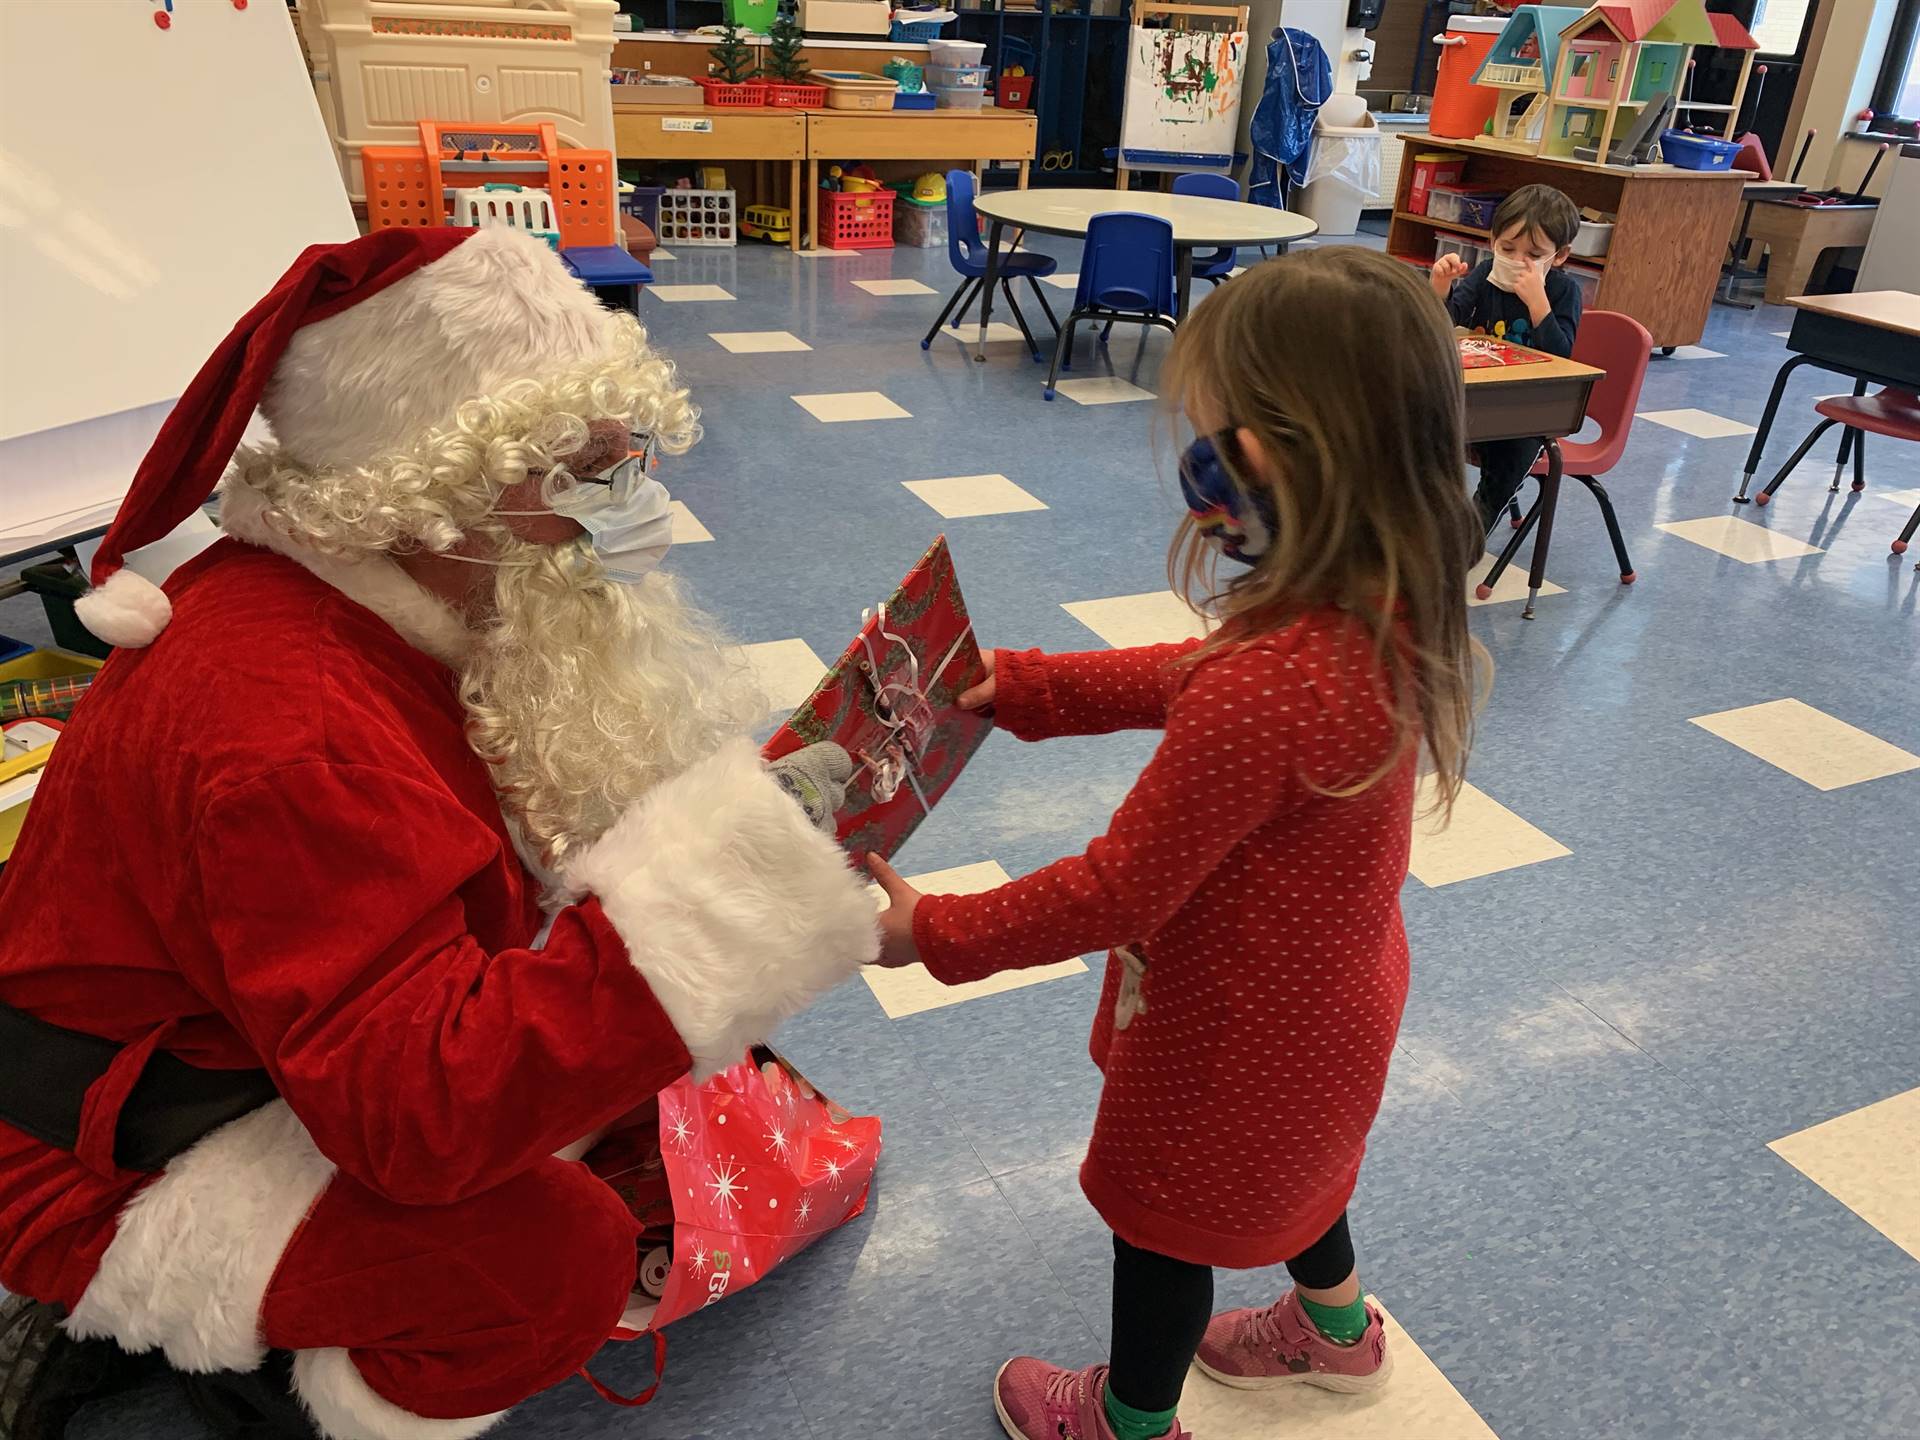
(1240,522)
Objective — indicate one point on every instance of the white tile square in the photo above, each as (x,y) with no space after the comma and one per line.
(911,989)
(1062,279)
(1696,352)
(758,342)
(959,496)
(1483,838)
(678,294)
(1739,539)
(1905,499)
(894,287)
(659,253)
(1700,424)
(1102,390)
(785,670)
(836,409)
(821,253)
(1156,618)
(1780,334)
(1869,1161)
(1809,744)
(687,529)
(1418,1403)
(1511,586)
(997,330)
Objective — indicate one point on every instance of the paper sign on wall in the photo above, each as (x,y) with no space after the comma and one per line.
(687,124)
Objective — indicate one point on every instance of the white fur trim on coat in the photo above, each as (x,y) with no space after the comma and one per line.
(501,307)
(129,610)
(419,617)
(735,909)
(193,1253)
(346,1408)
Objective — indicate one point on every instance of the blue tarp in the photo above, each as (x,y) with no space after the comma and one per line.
(1299,79)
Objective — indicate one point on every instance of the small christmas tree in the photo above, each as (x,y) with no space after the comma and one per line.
(784,61)
(732,55)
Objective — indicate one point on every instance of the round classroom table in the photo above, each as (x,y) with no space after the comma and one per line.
(1198,222)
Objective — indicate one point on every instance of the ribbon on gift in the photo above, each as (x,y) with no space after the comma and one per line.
(903,707)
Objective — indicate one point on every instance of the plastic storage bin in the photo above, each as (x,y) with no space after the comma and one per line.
(924,226)
(856,222)
(914,32)
(956,77)
(845,17)
(723,94)
(962,99)
(1593,238)
(1464,207)
(1430,169)
(755,15)
(1013,92)
(796,96)
(917,100)
(857,89)
(697,217)
(1696,152)
(955,52)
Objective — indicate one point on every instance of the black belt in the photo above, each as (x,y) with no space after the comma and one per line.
(47,1071)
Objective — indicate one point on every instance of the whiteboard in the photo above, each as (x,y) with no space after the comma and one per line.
(154,183)
(1182,97)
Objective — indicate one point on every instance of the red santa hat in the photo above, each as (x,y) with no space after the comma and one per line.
(358,351)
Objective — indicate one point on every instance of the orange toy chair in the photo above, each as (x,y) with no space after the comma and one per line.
(1621,346)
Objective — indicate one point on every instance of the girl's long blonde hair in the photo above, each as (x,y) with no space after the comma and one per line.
(1342,365)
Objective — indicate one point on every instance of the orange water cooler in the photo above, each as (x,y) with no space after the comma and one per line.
(1461,108)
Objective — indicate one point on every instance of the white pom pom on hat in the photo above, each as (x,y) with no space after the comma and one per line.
(198,439)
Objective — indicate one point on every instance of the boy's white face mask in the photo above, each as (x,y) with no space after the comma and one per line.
(1507,270)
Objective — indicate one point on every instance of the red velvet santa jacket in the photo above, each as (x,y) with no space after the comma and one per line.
(265,842)
(1244,1064)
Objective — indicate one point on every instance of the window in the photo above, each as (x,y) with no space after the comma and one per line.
(1780,26)
(1898,91)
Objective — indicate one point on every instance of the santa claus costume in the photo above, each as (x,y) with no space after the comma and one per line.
(309,1070)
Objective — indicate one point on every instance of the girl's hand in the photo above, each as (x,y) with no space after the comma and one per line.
(981,695)
(1447,269)
(896,921)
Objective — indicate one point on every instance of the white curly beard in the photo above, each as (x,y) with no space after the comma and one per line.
(583,694)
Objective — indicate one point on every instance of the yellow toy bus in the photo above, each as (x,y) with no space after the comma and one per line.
(768,222)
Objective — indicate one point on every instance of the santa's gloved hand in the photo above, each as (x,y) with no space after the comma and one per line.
(816,778)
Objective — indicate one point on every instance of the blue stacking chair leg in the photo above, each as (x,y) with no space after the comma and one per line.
(955,302)
(1062,355)
(1041,295)
(1006,289)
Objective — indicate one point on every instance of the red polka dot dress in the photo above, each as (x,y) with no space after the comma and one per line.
(1259,963)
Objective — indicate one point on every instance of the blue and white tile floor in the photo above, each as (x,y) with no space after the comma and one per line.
(1647,1164)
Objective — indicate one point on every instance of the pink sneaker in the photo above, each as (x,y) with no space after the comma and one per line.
(1038,1401)
(1255,1349)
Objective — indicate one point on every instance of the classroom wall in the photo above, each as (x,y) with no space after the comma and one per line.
(1843,60)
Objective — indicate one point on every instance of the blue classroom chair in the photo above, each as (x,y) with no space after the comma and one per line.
(1214,265)
(1126,275)
(968,255)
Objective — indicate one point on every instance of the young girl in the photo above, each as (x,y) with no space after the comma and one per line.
(1249,885)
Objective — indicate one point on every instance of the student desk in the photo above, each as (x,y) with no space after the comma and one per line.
(700,132)
(932,136)
(1872,336)
(1797,235)
(1513,402)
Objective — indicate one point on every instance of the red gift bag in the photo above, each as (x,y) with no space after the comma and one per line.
(891,701)
(729,1179)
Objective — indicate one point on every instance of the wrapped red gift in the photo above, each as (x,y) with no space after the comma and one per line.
(892,701)
(1481,352)
(728,1180)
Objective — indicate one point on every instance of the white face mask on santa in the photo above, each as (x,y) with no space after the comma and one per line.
(627,515)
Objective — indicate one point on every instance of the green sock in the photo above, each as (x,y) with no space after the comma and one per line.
(1131,1424)
(1342,1324)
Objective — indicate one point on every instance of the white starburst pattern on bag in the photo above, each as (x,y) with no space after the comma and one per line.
(804,1211)
(845,1141)
(680,1129)
(830,1169)
(726,1186)
(777,1140)
(697,1259)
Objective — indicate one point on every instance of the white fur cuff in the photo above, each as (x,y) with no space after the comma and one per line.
(345,1407)
(736,910)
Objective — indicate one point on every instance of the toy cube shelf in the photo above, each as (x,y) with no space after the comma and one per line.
(697,217)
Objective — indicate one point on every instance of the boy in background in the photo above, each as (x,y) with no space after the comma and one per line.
(1521,295)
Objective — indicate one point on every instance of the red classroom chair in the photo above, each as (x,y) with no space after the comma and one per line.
(1893,413)
(1621,346)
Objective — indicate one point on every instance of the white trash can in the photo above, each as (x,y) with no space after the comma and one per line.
(1344,171)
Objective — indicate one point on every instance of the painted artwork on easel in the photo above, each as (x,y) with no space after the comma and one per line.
(1182,97)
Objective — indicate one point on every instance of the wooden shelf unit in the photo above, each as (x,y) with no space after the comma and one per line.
(1577,262)
(1671,226)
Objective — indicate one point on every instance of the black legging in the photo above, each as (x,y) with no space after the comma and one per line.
(1161,1307)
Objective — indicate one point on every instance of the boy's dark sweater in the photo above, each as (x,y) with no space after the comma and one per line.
(1477,304)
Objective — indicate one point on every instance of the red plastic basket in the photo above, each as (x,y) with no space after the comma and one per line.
(797,97)
(725,94)
(1012,92)
(861,221)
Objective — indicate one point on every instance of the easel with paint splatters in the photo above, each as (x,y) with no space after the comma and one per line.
(1212,37)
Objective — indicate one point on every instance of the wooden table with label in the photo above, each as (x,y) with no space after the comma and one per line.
(970,136)
(759,134)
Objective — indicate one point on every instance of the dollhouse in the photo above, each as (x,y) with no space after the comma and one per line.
(1567,76)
